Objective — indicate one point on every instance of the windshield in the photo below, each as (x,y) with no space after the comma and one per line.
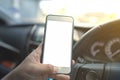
(84,12)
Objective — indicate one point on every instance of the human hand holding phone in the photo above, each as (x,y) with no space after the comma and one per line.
(32,69)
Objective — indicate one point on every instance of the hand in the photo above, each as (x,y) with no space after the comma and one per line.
(32,69)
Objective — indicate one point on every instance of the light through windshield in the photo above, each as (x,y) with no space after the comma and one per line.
(85,12)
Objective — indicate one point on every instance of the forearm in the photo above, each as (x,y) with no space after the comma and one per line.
(15,75)
(12,76)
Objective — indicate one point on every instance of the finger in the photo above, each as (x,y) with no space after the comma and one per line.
(73,62)
(60,77)
(47,69)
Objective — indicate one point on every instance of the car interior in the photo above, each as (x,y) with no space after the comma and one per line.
(96,40)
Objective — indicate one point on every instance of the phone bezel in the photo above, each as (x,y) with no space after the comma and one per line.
(59,18)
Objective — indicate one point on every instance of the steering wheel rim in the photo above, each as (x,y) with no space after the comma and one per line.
(97,45)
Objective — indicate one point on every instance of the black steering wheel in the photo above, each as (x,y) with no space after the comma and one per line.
(100,44)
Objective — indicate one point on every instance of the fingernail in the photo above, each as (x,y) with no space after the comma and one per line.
(55,70)
(67,77)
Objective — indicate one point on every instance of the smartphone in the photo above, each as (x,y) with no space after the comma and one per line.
(57,43)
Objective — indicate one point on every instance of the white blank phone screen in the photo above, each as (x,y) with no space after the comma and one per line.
(58,43)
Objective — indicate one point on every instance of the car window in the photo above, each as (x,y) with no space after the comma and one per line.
(23,10)
(84,12)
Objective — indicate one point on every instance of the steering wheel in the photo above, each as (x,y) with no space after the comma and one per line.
(99,44)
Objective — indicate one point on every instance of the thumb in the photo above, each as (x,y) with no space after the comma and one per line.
(39,49)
